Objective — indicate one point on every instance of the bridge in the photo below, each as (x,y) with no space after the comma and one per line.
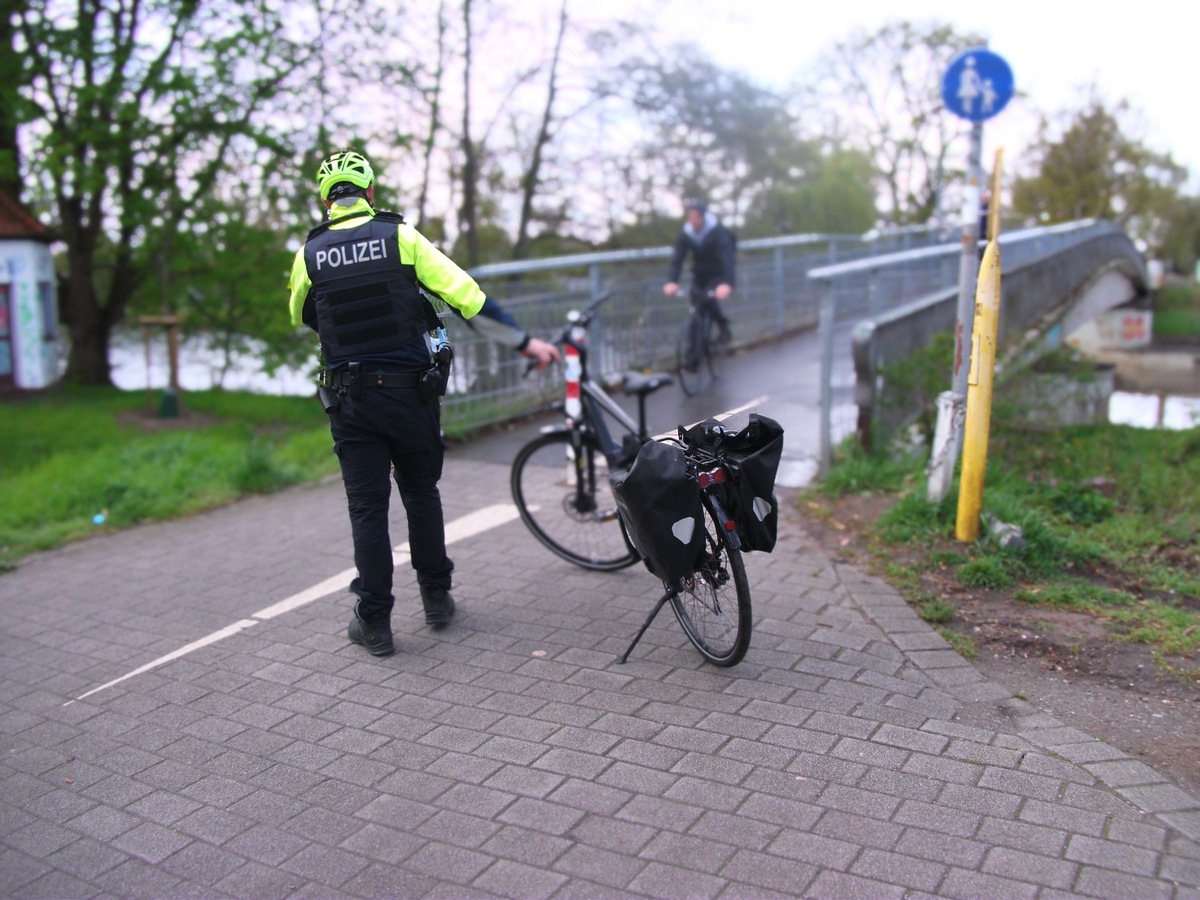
(827,314)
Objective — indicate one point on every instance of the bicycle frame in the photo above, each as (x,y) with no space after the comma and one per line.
(588,433)
(594,400)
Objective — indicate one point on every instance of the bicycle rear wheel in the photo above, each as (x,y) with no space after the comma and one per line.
(713,603)
(690,355)
(562,493)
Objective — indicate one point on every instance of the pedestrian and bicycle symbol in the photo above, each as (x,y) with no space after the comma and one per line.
(977,85)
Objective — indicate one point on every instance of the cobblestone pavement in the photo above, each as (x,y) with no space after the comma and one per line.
(851,754)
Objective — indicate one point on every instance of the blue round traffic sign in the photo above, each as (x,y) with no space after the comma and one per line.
(977,84)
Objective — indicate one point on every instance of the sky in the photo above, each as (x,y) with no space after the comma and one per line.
(1140,52)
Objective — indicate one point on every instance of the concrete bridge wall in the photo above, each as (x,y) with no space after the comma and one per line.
(1066,287)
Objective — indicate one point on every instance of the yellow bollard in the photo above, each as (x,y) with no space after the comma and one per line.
(979,394)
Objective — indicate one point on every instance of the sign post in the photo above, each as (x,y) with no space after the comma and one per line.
(976,86)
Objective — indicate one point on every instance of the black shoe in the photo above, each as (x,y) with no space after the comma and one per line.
(376,638)
(439,606)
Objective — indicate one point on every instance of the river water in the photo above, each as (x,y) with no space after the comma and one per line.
(199,370)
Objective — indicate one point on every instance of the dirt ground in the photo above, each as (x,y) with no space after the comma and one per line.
(1069,664)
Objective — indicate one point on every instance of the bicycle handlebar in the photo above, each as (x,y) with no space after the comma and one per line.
(581,318)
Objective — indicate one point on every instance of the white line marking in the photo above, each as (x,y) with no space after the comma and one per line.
(174,654)
(460,529)
(720,417)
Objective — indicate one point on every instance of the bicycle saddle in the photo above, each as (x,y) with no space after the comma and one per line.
(641,385)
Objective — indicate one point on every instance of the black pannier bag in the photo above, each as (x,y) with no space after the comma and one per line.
(753,457)
(661,509)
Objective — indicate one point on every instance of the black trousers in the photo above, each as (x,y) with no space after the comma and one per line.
(391,429)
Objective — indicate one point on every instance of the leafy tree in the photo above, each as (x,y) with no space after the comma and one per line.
(1090,167)
(713,133)
(232,292)
(649,230)
(833,192)
(881,92)
(134,108)
(10,98)
(1181,242)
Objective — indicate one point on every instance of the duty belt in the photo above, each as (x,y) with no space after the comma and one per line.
(345,378)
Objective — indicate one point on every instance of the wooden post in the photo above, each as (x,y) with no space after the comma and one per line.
(171,407)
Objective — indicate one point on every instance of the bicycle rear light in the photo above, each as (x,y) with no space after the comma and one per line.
(713,476)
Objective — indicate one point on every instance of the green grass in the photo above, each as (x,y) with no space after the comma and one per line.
(986,572)
(1173,631)
(1177,311)
(937,611)
(1177,323)
(963,645)
(1090,501)
(857,471)
(74,454)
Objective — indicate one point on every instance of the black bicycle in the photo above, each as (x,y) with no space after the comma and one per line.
(562,489)
(702,346)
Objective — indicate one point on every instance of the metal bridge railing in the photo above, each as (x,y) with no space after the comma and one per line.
(638,326)
(899,288)
(784,284)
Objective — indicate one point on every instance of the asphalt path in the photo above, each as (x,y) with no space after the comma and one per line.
(780,379)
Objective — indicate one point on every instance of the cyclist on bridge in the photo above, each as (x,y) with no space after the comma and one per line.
(358,282)
(712,247)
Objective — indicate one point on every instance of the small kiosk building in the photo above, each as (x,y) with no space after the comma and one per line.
(28,300)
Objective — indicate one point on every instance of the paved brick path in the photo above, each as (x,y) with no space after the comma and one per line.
(851,754)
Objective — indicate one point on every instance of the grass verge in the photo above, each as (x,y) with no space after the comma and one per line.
(1109,516)
(79,461)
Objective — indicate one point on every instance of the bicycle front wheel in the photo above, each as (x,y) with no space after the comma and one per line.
(560,485)
(716,348)
(713,603)
(690,355)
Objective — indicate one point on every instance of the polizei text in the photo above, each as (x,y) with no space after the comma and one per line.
(349,254)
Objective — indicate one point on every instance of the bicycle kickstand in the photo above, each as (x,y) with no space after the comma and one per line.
(650,618)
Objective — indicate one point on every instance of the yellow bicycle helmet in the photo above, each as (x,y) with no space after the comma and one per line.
(345,165)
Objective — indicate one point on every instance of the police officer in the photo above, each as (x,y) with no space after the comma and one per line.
(356,283)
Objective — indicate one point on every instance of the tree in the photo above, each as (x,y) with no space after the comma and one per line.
(531,178)
(834,192)
(713,133)
(1090,167)
(881,92)
(134,108)
(433,93)
(11,75)
(468,216)
(1181,243)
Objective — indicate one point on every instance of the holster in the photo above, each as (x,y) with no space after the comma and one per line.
(436,378)
(331,400)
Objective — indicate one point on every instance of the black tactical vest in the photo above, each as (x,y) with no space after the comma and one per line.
(366,299)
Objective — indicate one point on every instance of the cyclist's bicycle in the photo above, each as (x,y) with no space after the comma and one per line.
(561,487)
(702,345)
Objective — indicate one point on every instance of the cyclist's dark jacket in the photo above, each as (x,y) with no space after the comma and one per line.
(712,250)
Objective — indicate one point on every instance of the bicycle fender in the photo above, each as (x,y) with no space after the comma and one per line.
(723,519)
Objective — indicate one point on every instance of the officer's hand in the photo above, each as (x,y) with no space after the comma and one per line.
(722,291)
(670,289)
(541,352)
